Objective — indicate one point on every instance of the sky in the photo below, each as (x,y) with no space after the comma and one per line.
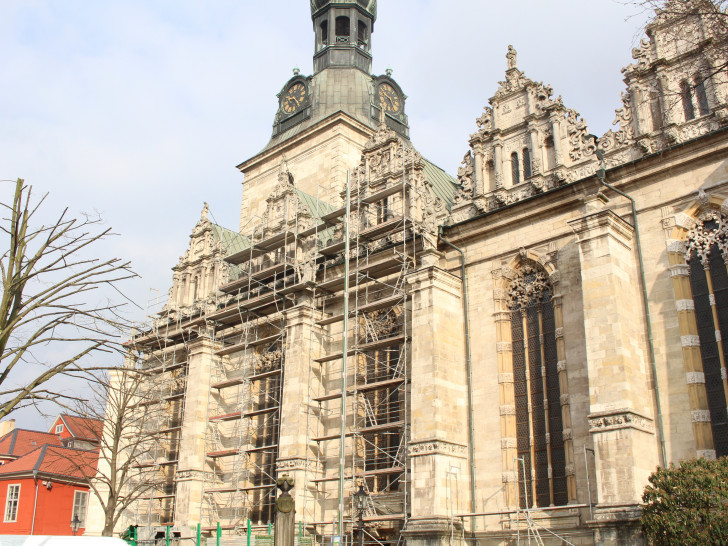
(141,109)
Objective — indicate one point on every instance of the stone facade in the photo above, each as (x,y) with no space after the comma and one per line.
(475,345)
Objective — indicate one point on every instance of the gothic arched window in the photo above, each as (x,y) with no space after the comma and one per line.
(687,100)
(701,96)
(515,169)
(707,249)
(539,425)
(526,164)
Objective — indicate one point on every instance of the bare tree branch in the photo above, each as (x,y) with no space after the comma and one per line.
(49,282)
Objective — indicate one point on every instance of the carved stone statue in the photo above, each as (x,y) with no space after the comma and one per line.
(205,212)
(512,57)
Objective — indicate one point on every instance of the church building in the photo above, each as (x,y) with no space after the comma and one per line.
(510,350)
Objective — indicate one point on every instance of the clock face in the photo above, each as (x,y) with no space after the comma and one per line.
(389,99)
(294,97)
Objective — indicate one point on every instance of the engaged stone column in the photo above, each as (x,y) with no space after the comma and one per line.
(621,406)
(438,441)
(191,468)
(295,455)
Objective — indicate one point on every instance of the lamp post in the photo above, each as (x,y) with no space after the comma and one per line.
(75,524)
(360,501)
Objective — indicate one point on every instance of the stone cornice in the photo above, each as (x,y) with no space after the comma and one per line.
(604,223)
(435,446)
(423,278)
(607,421)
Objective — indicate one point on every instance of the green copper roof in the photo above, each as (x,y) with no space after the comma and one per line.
(232,241)
(443,185)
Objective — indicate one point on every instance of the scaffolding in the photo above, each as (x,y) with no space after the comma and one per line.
(164,361)
(296,257)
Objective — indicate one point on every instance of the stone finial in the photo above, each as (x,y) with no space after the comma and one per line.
(205,212)
(296,71)
(389,72)
(512,57)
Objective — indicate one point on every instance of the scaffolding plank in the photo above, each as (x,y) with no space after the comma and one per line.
(164,368)
(253,343)
(378,428)
(360,388)
(381,194)
(261,448)
(380,229)
(226,416)
(366,308)
(228,383)
(258,377)
(360,348)
(222,453)
(260,411)
(257,487)
(379,384)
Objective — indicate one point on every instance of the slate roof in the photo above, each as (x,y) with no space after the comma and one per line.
(19,442)
(83,428)
(63,462)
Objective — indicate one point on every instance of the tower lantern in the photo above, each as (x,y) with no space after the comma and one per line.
(343,33)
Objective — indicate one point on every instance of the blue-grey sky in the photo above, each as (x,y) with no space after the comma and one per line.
(140,109)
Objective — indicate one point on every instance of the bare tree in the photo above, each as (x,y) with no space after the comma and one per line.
(50,281)
(130,445)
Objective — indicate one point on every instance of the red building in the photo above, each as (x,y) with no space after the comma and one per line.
(19,442)
(42,491)
(78,432)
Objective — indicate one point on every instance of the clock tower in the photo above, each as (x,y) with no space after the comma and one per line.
(324,120)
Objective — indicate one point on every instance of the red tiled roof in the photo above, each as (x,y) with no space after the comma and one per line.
(83,428)
(59,461)
(18,442)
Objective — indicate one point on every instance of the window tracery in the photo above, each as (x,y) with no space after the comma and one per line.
(706,255)
(539,426)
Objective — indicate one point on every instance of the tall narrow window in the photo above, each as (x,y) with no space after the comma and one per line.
(342,29)
(11,503)
(490,169)
(80,502)
(706,256)
(655,110)
(325,33)
(701,96)
(362,35)
(539,427)
(687,100)
(526,164)
(550,153)
(515,169)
